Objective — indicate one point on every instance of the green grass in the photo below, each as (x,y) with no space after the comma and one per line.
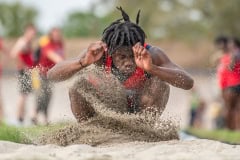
(223,135)
(9,133)
(26,134)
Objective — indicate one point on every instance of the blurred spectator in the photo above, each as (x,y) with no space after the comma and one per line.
(231,94)
(200,112)
(51,52)
(223,72)
(4,51)
(229,79)
(217,114)
(22,52)
(43,41)
(221,44)
(197,109)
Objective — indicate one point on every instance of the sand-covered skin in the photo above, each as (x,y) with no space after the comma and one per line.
(167,150)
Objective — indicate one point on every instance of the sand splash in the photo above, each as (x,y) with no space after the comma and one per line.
(111,124)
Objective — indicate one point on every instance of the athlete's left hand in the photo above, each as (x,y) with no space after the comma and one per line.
(142,57)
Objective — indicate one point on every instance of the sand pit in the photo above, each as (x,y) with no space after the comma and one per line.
(172,150)
(113,135)
(101,131)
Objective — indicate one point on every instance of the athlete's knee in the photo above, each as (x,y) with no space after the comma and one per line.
(81,109)
(161,96)
(166,88)
(72,92)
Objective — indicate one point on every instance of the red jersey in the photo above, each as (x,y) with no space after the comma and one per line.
(226,76)
(24,54)
(26,58)
(45,63)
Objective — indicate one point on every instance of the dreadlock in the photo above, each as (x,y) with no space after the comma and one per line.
(123,32)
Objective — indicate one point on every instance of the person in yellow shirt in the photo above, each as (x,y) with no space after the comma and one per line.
(36,80)
(51,52)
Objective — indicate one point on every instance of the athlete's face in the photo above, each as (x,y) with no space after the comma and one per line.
(123,60)
(30,33)
(56,35)
(220,46)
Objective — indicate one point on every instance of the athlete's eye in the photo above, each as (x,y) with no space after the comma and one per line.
(122,57)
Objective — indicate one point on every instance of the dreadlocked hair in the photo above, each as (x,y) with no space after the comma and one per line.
(123,32)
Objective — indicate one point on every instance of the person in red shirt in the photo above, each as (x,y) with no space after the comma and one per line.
(143,70)
(22,52)
(231,92)
(51,53)
(228,74)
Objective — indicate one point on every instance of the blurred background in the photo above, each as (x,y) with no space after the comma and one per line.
(184,29)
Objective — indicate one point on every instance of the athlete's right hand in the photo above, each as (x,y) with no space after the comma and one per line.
(94,52)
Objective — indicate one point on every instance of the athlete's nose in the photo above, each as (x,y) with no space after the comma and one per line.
(128,64)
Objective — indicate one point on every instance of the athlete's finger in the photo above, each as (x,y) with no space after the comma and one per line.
(99,50)
(99,46)
(139,49)
(138,44)
(104,45)
(135,53)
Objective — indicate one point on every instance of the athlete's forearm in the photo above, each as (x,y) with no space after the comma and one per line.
(64,70)
(175,77)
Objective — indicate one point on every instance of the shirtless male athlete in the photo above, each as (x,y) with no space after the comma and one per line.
(140,67)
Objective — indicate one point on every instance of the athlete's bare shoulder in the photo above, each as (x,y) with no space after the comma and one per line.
(158,56)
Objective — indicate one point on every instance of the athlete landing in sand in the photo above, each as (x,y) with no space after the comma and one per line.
(143,69)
